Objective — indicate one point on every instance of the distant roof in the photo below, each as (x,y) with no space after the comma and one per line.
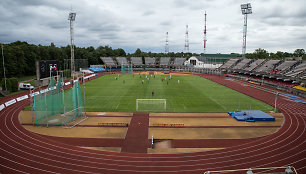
(220,55)
(216,57)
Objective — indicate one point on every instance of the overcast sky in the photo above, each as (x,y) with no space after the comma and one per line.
(275,25)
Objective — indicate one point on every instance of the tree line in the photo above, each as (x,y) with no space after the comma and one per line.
(20,57)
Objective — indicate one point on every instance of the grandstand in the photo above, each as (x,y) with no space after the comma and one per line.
(136,61)
(122,61)
(280,69)
(164,61)
(242,64)
(268,66)
(179,61)
(254,64)
(299,69)
(150,61)
(108,61)
(229,63)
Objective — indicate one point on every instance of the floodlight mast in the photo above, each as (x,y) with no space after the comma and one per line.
(245,9)
(205,39)
(71,19)
(186,46)
(167,44)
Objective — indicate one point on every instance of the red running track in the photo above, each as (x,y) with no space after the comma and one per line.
(22,151)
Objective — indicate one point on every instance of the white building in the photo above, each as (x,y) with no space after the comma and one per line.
(203,62)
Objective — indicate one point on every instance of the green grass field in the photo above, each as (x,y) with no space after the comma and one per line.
(192,94)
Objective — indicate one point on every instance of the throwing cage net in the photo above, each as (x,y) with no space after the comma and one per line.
(53,107)
(127,68)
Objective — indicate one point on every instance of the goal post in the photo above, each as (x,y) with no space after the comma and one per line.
(151,104)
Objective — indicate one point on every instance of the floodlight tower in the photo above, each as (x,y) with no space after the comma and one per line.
(167,44)
(205,39)
(245,9)
(71,18)
(186,48)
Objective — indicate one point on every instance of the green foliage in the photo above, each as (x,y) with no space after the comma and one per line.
(20,56)
(299,52)
(8,84)
(67,73)
(14,84)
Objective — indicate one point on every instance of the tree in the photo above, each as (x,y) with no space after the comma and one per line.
(138,53)
(261,54)
(299,52)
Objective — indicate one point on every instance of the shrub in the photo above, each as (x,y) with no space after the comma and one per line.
(8,84)
(67,73)
(14,84)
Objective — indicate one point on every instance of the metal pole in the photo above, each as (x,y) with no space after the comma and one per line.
(84,91)
(244,35)
(275,101)
(63,92)
(32,101)
(3,68)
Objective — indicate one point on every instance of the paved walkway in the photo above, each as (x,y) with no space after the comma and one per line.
(136,139)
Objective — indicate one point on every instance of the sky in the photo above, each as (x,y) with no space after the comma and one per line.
(274,25)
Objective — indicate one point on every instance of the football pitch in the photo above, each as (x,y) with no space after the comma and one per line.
(183,93)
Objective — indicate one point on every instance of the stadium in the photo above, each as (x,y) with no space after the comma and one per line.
(189,131)
(102,110)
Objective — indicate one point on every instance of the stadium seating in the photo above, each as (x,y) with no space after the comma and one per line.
(268,66)
(108,61)
(242,64)
(178,61)
(254,64)
(150,61)
(122,61)
(164,61)
(284,66)
(229,63)
(136,61)
(297,70)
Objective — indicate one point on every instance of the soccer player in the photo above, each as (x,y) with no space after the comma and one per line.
(152,92)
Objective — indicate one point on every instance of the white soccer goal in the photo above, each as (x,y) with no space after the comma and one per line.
(151,104)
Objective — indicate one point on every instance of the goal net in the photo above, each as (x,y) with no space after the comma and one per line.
(151,104)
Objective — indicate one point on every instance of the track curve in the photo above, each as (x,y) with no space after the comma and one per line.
(22,151)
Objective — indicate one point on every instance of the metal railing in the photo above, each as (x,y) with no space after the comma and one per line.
(286,169)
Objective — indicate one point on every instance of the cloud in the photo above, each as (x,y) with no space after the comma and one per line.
(274,25)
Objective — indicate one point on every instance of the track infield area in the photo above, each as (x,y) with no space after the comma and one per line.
(182,93)
(172,132)
(193,118)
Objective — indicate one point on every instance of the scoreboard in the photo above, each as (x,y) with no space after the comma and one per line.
(47,66)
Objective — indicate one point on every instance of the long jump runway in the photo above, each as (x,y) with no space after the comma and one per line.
(22,151)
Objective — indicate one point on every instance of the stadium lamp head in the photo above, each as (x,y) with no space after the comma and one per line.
(72,16)
(246,8)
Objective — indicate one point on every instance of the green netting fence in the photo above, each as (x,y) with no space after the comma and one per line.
(53,107)
(128,68)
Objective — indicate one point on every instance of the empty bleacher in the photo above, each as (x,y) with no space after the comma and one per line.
(122,61)
(150,61)
(136,61)
(242,64)
(178,61)
(297,70)
(254,64)
(164,61)
(108,61)
(267,66)
(284,66)
(229,63)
